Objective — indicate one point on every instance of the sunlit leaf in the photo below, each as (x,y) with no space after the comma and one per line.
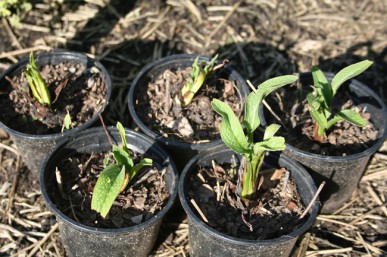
(352,117)
(138,166)
(348,73)
(107,188)
(270,131)
(231,130)
(252,120)
(67,121)
(122,157)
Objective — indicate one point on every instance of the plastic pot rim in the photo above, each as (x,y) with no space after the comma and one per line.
(245,242)
(149,132)
(337,159)
(60,52)
(104,231)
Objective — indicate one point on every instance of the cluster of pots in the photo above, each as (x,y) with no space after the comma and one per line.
(41,153)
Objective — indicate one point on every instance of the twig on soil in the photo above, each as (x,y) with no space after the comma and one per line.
(223,22)
(301,250)
(285,182)
(194,10)
(199,210)
(313,199)
(160,20)
(104,128)
(11,149)
(363,243)
(373,176)
(328,252)
(337,222)
(43,240)
(59,180)
(10,33)
(72,210)
(377,199)
(363,215)
(25,51)
(13,190)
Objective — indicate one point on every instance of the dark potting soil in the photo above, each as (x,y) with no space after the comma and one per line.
(159,108)
(73,88)
(274,213)
(144,196)
(298,127)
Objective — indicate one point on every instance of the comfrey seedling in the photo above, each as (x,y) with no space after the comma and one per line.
(198,77)
(320,100)
(115,177)
(233,135)
(37,85)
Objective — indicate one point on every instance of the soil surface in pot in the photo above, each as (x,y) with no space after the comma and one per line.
(144,196)
(159,108)
(274,213)
(73,89)
(297,126)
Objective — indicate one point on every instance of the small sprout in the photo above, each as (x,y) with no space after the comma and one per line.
(37,85)
(320,100)
(66,121)
(198,77)
(233,135)
(115,177)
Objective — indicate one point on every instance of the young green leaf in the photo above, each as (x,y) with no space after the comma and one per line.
(348,73)
(252,120)
(271,144)
(352,117)
(322,86)
(122,157)
(107,188)
(36,82)
(231,130)
(138,166)
(121,130)
(115,177)
(67,120)
(198,77)
(270,131)
(233,136)
(320,100)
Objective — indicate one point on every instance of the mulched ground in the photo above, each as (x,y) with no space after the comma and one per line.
(262,39)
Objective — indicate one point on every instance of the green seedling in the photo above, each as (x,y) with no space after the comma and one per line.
(115,177)
(320,100)
(37,85)
(234,136)
(198,77)
(66,121)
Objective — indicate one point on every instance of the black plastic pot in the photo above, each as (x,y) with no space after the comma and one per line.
(81,240)
(35,148)
(342,173)
(181,151)
(206,241)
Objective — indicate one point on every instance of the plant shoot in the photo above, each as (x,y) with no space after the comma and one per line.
(198,76)
(320,100)
(36,82)
(234,136)
(116,176)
